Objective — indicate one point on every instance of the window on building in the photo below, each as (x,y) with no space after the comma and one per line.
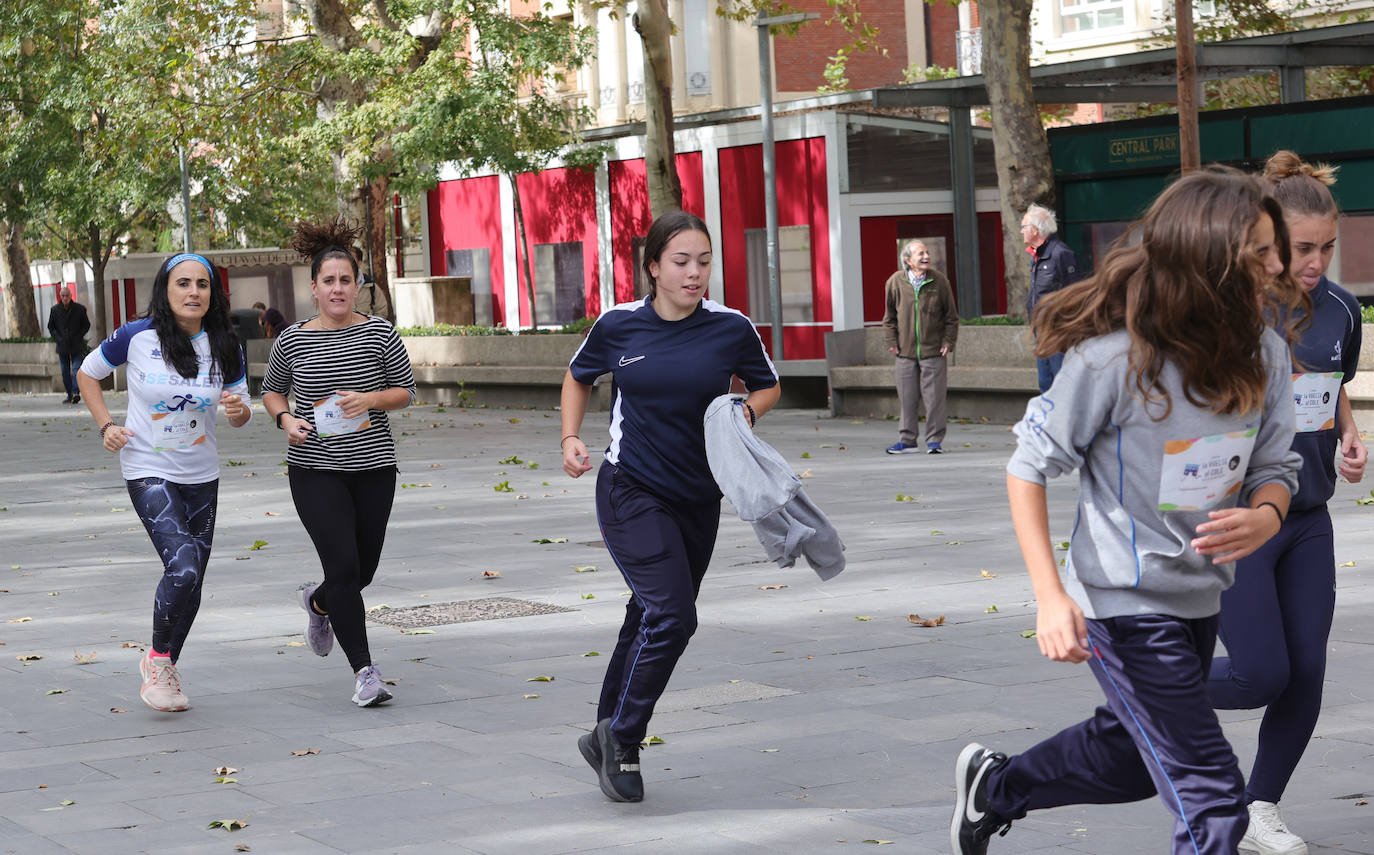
(559,288)
(1353,266)
(564,77)
(794,257)
(476,264)
(1085,16)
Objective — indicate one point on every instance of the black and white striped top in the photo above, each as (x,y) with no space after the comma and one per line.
(314,364)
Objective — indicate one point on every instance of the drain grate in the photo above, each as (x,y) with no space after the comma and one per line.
(439,614)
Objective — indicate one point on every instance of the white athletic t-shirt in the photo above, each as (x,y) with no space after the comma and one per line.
(172,417)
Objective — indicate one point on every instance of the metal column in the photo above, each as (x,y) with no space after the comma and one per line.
(967,272)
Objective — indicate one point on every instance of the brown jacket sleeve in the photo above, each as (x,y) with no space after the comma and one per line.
(890,312)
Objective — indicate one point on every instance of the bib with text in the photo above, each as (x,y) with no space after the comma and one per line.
(1198,474)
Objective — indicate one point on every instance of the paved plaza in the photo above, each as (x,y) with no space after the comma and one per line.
(805,716)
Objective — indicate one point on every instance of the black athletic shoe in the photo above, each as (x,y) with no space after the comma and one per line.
(76,399)
(616,765)
(68,400)
(973,824)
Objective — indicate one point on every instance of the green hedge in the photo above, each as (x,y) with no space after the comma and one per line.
(576,327)
(21,340)
(994,321)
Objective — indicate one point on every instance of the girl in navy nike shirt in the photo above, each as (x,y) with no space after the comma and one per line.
(670,354)
(1276,618)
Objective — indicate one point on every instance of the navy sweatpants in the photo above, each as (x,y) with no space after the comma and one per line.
(662,548)
(1157,734)
(1275,622)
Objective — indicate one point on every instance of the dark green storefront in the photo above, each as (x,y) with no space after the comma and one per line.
(1107,174)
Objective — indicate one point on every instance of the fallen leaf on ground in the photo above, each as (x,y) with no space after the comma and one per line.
(491,574)
(540,679)
(806,474)
(591,653)
(936,533)
(1062,545)
(531,697)
(769,750)
(228,824)
(117,710)
(28,657)
(917,620)
(225,779)
(19,620)
(862,617)
(875,840)
(1348,564)
(224,770)
(243,847)
(549,540)
(1028,633)
(990,610)
(654,740)
(902,497)
(271,514)
(986,575)
(257,544)
(57,691)
(953,542)
(301,752)
(588,596)
(84,660)
(128,644)
(771,587)
(586,568)
(417,632)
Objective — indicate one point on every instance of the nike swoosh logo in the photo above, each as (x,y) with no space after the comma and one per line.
(624,361)
(972,815)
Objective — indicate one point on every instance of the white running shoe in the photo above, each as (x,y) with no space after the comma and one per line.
(161,684)
(1267,834)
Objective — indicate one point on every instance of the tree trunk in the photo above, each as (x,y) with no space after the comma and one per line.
(1189,145)
(1021,149)
(18,284)
(524,250)
(376,206)
(660,154)
(97,258)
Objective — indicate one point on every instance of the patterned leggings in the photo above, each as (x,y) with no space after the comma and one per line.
(180,519)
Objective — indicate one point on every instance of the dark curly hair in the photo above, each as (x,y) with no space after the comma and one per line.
(319,242)
(177,351)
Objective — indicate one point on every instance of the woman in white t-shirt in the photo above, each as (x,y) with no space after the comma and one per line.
(182,362)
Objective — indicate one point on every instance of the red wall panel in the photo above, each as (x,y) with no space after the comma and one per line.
(560,207)
(629,190)
(802,200)
(466,214)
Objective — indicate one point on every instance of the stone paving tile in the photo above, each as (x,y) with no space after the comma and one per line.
(865,729)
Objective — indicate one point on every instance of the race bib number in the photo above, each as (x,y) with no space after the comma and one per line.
(180,423)
(331,421)
(1199,474)
(1314,396)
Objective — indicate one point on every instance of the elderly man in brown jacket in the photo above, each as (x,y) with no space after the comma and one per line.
(921,325)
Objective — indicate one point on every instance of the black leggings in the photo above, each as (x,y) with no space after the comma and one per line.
(345,514)
(180,519)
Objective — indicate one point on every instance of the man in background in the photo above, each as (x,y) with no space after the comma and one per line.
(921,324)
(1053,265)
(68,324)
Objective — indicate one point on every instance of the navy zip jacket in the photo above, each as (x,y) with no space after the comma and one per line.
(1053,267)
(1331,343)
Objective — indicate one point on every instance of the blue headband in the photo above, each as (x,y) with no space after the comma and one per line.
(190,256)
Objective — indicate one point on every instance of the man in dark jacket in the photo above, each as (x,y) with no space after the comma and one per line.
(921,324)
(68,325)
(1053,265)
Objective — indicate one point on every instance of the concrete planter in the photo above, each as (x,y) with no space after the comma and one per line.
(29,367)
(492,349)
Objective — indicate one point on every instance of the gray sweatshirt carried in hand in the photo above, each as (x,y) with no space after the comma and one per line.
(1146,480)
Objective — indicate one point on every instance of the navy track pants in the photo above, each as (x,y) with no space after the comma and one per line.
(662,548)
(1275,622)
(1157,734)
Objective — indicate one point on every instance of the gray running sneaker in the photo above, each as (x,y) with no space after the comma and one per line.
(370,690)
(318,633)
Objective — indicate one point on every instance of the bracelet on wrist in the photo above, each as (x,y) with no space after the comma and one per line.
(753,416)
(566,438)
(279,415)
(1276,510)
(104,428)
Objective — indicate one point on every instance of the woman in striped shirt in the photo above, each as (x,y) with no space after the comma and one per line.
(345,370)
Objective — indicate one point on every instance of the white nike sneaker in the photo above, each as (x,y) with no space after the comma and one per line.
(1267,834)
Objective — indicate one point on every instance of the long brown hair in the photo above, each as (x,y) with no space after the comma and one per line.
(1190,293)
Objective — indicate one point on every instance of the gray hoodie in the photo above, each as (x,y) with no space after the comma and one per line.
(1145,485)
(765,492)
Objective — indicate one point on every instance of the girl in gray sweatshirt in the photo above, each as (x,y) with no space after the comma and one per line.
(1175,404)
